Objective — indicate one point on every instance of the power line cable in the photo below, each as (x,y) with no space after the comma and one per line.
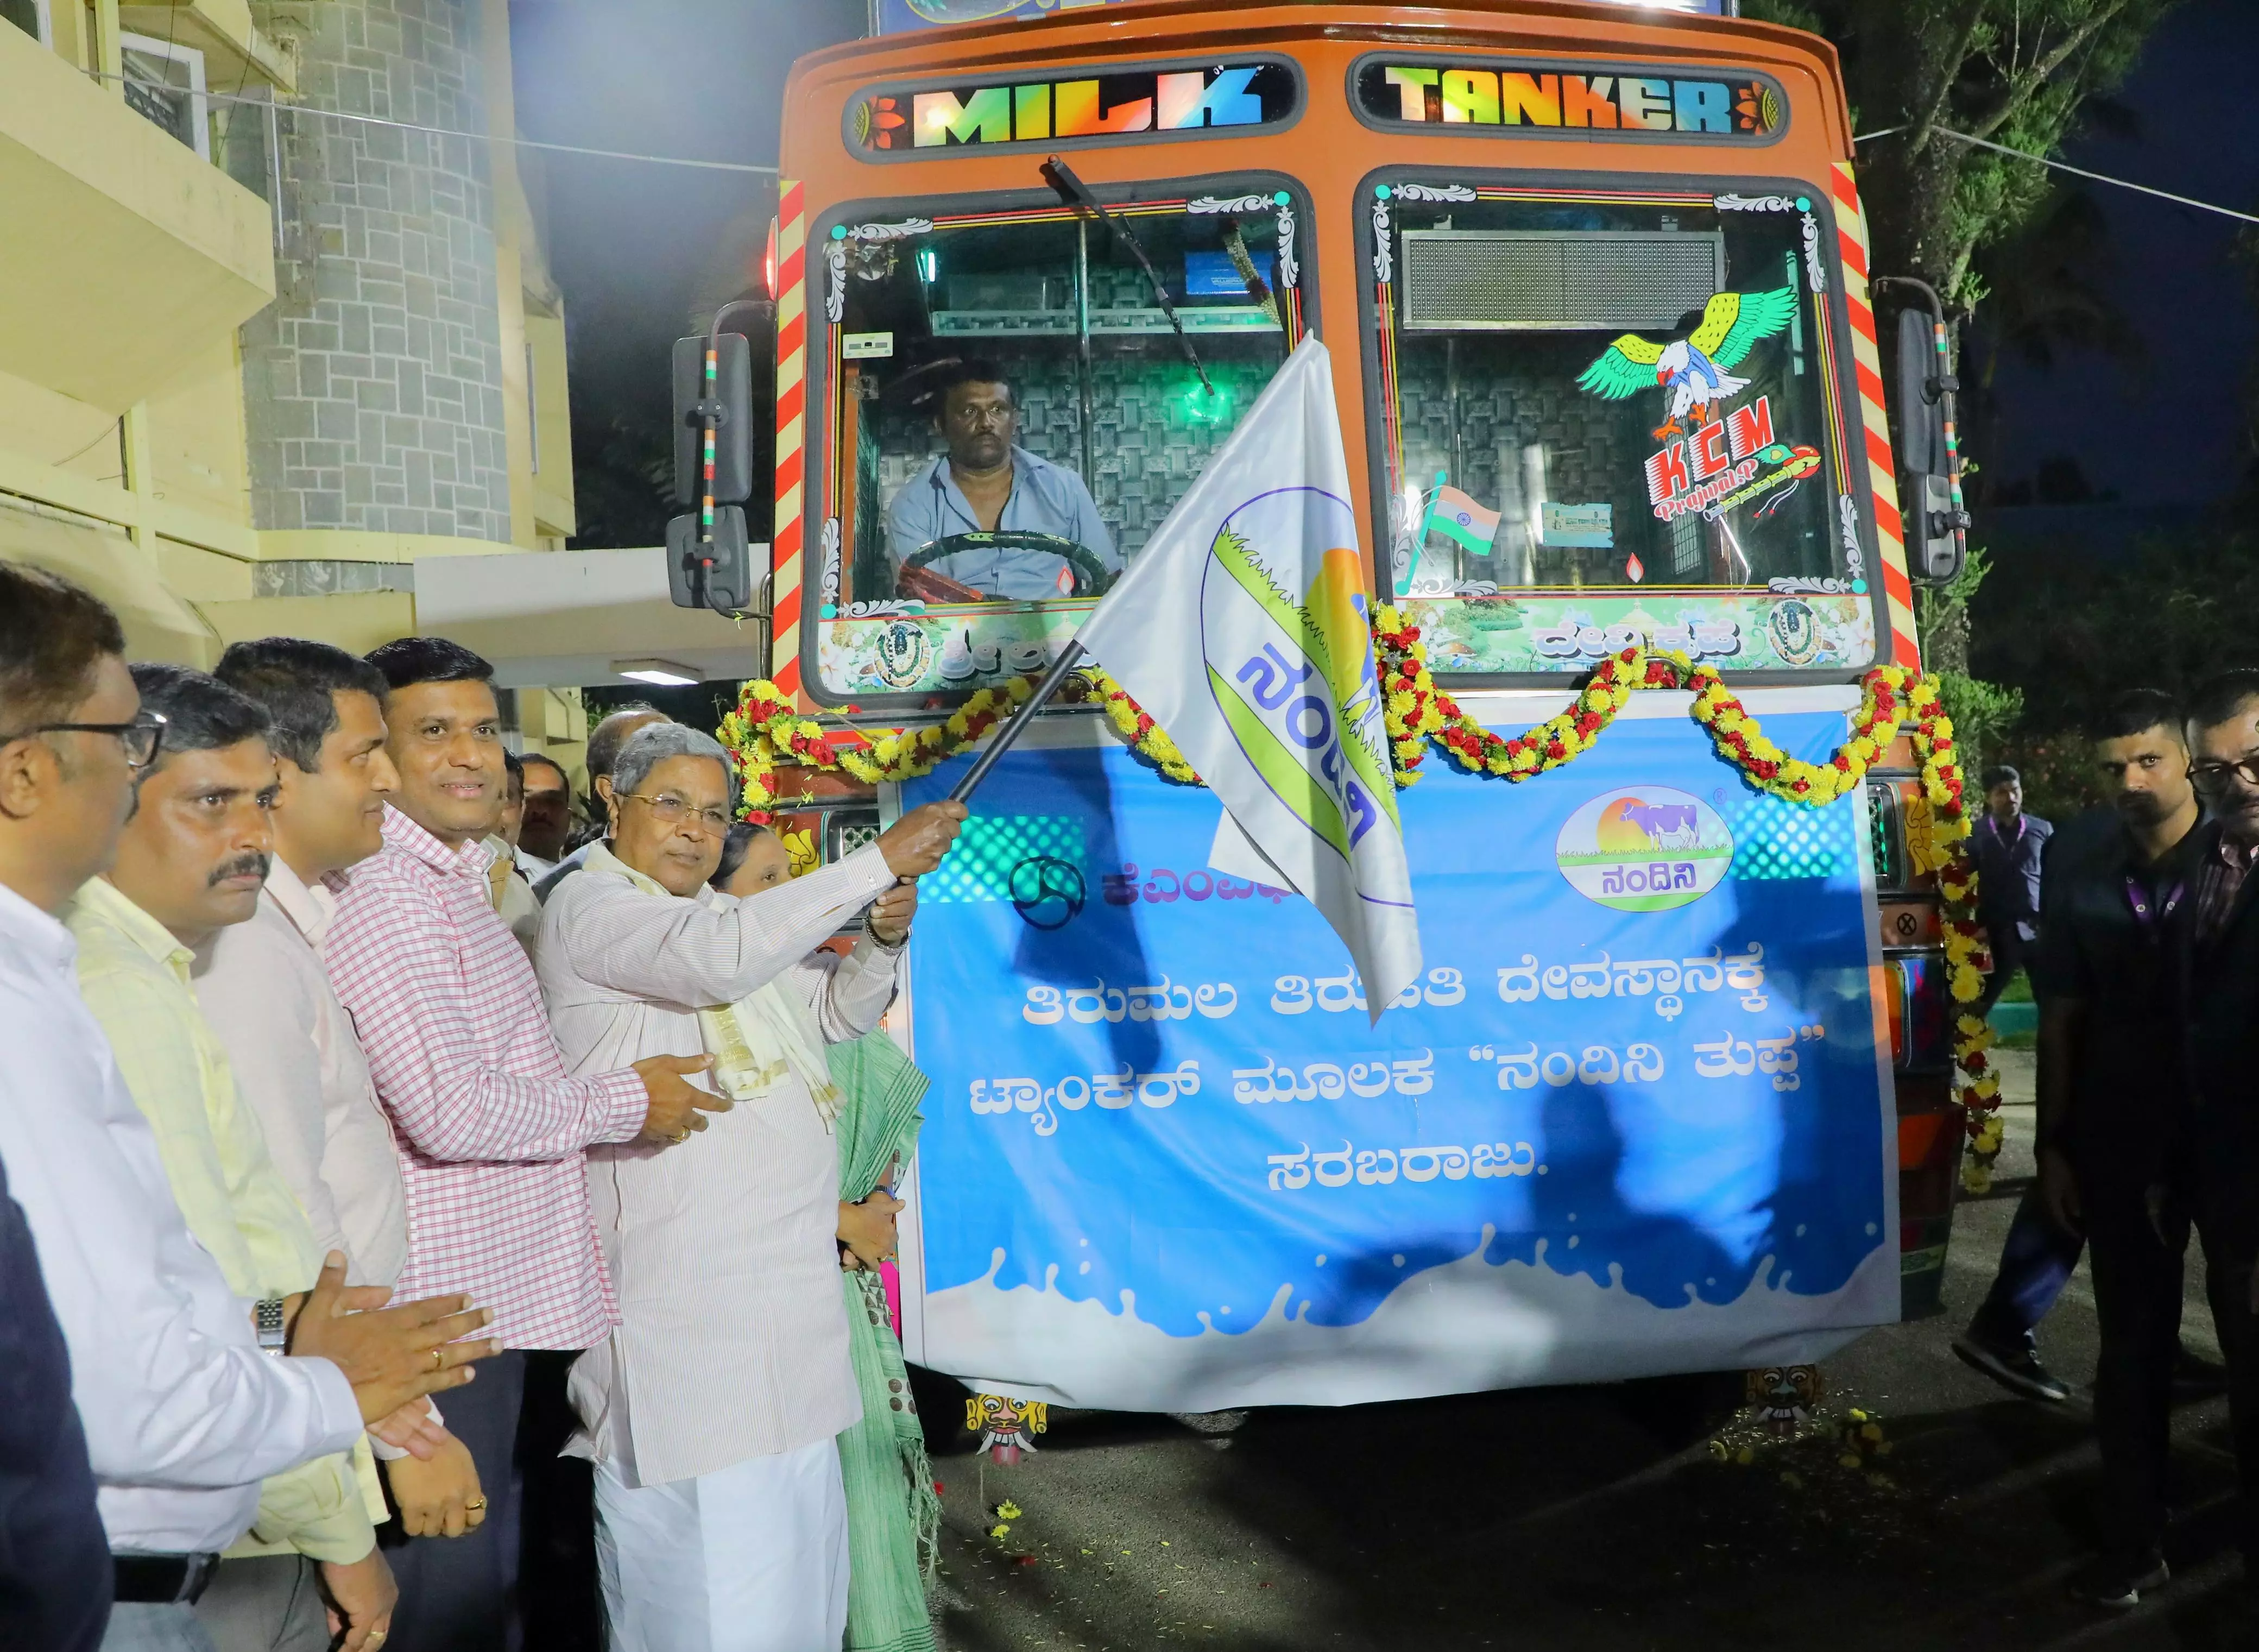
(771,172)
(2064,166)
(481,137)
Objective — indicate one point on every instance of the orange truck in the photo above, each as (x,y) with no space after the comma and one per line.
(1594,281)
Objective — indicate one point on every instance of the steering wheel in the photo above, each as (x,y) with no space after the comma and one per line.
(1091,576)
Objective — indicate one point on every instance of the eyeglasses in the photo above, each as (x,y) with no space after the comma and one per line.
(140,738)
(2212,776)
(673,811)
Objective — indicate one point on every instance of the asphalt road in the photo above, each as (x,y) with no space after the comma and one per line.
(1594,1518)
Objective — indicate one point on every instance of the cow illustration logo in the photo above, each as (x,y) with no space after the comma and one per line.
(1644,848)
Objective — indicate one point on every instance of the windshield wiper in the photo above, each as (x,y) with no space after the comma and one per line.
(1076,193)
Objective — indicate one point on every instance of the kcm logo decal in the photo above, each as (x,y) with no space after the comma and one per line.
(1644,848)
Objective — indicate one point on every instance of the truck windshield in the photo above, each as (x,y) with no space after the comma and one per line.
(1600,413)
(1014,415)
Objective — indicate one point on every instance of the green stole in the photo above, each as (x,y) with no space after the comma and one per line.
(894,1515)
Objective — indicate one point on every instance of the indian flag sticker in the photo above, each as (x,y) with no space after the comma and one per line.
(1644,848)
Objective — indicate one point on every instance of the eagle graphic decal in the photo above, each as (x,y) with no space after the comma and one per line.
(1691,371)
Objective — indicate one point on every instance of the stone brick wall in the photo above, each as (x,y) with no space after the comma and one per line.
(373,384)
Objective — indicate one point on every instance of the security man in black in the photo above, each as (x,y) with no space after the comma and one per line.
(2115,1147)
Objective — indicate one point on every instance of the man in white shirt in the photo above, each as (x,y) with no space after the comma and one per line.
(184,1410)
(712,1409)
(297,1063)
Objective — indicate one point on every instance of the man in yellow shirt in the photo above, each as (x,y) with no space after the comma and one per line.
(191,860)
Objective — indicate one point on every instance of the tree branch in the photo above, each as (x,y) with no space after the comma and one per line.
(1949,71)
(2021,87)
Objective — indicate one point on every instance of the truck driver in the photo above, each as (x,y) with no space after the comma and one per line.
(988,483)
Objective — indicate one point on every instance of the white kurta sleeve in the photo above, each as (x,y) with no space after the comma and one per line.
(849,995)
(696,953)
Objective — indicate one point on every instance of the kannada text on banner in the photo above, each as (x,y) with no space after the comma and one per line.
(1630,1119)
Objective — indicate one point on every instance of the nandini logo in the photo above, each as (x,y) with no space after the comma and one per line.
(1296,682)
(1644,848)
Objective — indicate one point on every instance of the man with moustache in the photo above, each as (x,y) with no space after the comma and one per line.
(546,821)
(987,482)
(2215,931)
(297,1062)
(491,1130)
(185,1399)
(190,861)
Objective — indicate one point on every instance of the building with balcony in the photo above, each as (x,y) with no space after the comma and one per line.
(257,359)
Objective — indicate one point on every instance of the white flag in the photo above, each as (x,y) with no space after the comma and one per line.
(1243,628)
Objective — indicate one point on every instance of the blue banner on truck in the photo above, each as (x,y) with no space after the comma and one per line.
(1634,1118)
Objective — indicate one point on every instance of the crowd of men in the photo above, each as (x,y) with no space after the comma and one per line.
(357,1124)
(295,1142)
(2137,930)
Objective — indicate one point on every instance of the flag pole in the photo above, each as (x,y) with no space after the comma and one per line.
(1009,734)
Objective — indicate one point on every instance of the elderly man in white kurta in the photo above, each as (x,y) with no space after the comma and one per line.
(712,1411)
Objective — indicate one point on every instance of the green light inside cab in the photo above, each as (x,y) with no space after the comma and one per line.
(929,265)
(1195,406)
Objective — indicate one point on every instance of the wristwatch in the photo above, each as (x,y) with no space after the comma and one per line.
(274,1331)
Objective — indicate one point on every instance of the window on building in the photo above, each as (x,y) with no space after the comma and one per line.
(165,84)
(30,16)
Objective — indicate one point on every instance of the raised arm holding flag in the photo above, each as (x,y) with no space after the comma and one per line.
(1243,628)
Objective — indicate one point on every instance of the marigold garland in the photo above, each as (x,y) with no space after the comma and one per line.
(765,729)
(1893,700)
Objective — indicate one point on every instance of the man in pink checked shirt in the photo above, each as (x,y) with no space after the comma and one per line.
(491,1129)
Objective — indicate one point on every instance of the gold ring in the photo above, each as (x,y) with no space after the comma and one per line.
(376,1637)
(438,1360)
(476,1503)
(680,1136)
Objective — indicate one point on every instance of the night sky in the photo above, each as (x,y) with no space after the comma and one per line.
(635,247)
(2165,429)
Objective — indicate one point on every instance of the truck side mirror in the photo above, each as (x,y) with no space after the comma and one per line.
(1936,522)
(731,407)
(725,572)
(1921,397)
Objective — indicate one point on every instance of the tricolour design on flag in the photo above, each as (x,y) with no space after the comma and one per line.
(1459,517)
(1243,628)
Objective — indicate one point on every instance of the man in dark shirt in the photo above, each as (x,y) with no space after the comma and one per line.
(54,1560)
(2115,1147)
(2009,846)
(2216,944)
(2140,759)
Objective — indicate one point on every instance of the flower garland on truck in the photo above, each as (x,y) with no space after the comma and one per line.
(765,730)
